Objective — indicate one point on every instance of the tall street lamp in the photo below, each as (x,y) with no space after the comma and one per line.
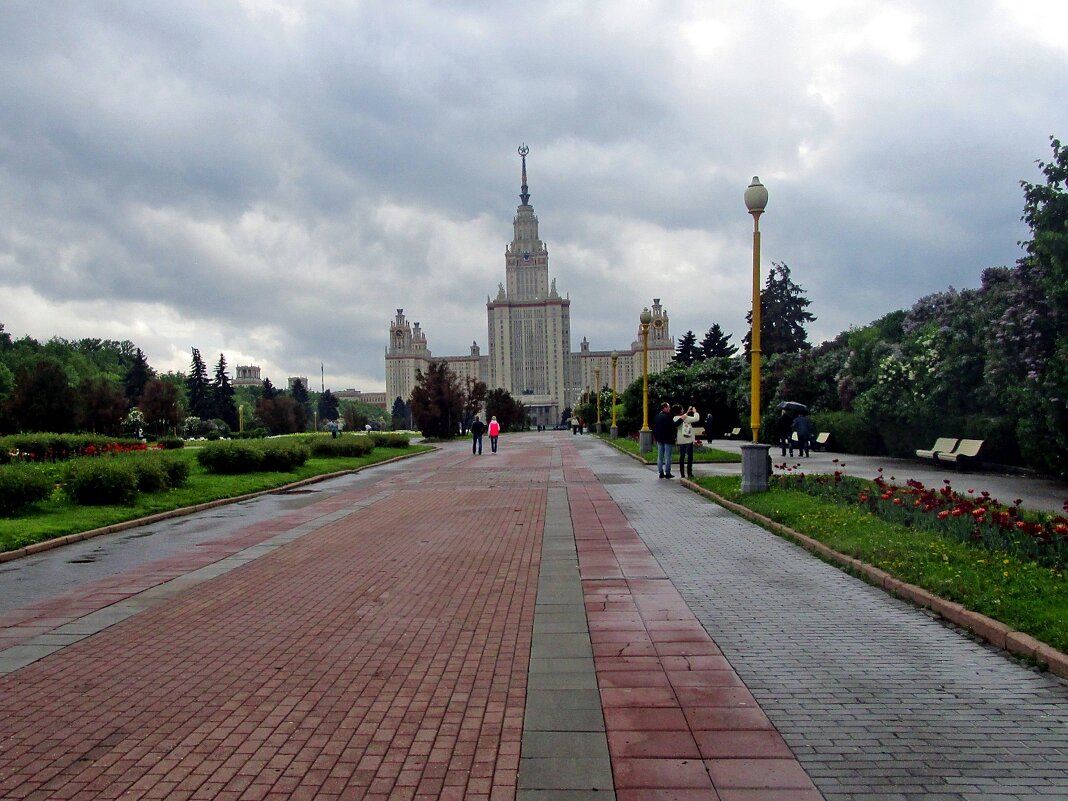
(597,373)
(615,428)
(755,456)
(645,436)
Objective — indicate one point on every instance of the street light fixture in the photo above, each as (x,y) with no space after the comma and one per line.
(755,456)
(645,436)
(597,382)
(615,428)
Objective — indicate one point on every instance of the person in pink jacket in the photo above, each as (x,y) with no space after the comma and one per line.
(494,432)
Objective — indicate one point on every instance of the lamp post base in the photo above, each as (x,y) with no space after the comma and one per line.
(598,426)
(756,467)
(645,441)
(614,431)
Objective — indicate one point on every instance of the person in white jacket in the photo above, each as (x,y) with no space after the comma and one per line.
(684,424)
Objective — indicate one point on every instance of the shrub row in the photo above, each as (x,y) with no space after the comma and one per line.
(251,457)
(21,486)
(99,482)
(56,447)
(384,439)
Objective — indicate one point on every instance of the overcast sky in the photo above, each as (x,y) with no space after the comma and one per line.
(271,180)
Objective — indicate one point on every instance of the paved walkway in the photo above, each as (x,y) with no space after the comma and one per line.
(548,622)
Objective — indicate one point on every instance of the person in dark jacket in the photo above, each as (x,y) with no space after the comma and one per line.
(784,428)
(478,428)
(664,432)
(803,427)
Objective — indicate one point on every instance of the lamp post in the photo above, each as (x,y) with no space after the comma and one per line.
(597,389)
(645,436)
(755,457)
(615,429)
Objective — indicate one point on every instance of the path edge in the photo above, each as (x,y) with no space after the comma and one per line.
(992,631)
(69,539)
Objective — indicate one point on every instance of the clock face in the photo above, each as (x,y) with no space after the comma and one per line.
(526,256)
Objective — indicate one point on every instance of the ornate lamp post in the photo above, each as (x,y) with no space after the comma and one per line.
(754,455)
(597,389)
(645,436)
(615,429)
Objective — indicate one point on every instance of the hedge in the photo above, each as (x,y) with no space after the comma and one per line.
(58,447)
(252,457)
(383,439)
(101,482)
(21,486)
(344,446)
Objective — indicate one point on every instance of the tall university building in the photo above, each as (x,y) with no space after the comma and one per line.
(529,330)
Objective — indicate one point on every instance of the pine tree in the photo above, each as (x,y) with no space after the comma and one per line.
(198,389)
(783,315)
(716,344)
(269,392)
(328,406)
(299,393)
(222,395)
(687,352)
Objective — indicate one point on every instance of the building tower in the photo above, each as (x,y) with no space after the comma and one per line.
(529,323)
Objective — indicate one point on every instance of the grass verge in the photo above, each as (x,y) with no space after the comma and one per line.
(58,517)
(702,454)
(1021,594)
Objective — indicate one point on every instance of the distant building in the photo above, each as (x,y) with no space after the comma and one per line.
(247,376)
(303,379)
(372,398)
(529,329)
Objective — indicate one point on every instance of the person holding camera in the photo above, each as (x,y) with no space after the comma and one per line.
(684,422)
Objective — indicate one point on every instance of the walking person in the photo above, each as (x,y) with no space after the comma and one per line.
(664,432)
(494,432)
(478,428)
(684,439)
(803,427)
(784,432)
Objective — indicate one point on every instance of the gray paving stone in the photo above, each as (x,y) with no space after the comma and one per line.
(858,683)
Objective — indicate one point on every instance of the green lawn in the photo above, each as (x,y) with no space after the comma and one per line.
(1019,593)
(702,454)
(58,517)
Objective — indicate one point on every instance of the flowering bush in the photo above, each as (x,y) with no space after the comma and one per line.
(971,517)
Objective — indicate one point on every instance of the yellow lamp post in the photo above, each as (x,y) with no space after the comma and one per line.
(755,456)
(597,389)
(645,436)
(615,428)
(756,200)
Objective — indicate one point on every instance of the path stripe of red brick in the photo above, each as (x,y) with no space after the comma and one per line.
(383,656)
(680,723)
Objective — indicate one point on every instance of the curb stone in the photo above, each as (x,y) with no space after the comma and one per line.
(68,539)
(986,628)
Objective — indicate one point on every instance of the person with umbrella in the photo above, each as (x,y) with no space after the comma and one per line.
(803,428)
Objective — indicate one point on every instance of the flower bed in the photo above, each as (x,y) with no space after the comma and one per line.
(972,517)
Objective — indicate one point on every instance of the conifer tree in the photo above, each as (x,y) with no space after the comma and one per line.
(137,375)
(687,352)
(716,344)
(783,315)
(269,392)
(222,395)
(198,389)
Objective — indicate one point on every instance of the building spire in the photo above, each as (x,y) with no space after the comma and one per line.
(524,194)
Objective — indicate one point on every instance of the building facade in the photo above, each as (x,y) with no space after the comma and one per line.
(529,335)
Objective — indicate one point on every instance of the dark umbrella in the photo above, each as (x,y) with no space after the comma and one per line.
(791,406)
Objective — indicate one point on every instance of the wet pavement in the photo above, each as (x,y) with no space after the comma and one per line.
(548,622)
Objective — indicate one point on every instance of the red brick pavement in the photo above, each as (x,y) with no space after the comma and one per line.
(383,656)
(681,724)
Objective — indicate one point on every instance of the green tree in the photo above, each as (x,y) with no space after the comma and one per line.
(716,344)
(137,375)
(328,406)
(783,315)
(510,413)
(282,415)
(43,399)
(101,406)
(299,393)
(437,401)
(198,389)
(269,391)
(401,415)
(474,398)
(161,406)
(222,395)
(687,352)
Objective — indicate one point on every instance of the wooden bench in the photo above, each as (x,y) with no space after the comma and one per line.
(735,433)
(942,445)
(821,441)
(966,453)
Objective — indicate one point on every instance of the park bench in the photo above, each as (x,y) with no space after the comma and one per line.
(942,445)
(735,433)
(821,441)
(967,452)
